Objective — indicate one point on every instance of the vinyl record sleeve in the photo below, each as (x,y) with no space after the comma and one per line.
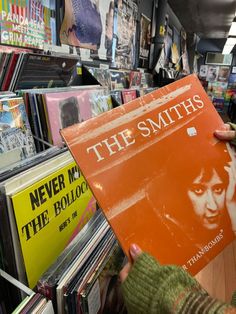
(16,140)
(152,165)
(128,95)
(41,71)
(64,109)
(28,23)
(48,281)
(58,213)
(15,183)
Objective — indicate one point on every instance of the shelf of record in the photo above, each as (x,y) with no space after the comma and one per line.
(49,222)
(41,94)
(21,68)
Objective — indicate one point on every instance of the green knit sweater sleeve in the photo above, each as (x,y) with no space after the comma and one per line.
(233,127)
(153,289)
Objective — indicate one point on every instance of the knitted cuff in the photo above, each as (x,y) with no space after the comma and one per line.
(233,127)
(138,287)
(151,288)
(233,300)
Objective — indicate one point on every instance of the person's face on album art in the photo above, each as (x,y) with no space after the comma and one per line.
(201,192)
(69,112)
(207,195)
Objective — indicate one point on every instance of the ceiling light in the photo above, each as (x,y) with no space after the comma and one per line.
(232,31)
(231,41)
(227,49)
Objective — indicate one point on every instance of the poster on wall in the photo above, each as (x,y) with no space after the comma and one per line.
(232,80)
(212,73)
(82,24)
(176,39)
(168,41)
(184,52)
(145,40)
(175,48)
(28,23)
(106,8)
(153,34)
(203,71)
(126,34)
(89,24)
(223,74)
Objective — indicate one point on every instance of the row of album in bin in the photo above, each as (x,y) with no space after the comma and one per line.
(58,243)
(120,79)
(31,122)
(85,277)
(22,69)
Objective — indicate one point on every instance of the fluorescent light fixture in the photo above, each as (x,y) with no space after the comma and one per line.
(232,31)
(231,41)
(227,50)
(229,45)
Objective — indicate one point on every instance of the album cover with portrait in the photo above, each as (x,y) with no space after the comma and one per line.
(161,177)
(64,109)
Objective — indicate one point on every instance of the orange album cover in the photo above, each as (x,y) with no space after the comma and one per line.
(160,176)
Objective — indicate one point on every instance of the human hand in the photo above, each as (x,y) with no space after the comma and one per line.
(230,195)
(135,252)
(225,135)
(148,287)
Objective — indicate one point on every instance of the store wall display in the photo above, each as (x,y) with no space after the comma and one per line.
(219,103)
(184,52)
(82,25)
(223,74)
(28,23)
(176,41)
(157,31)
(106,8)
(45,76)
(168,41)
(126,34)
(218,83)
(212,73)
(88,24)
(216,89)
(145,40)
(232,80)
(203,71)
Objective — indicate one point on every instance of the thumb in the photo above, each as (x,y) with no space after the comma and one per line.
(225,135)
(135,251)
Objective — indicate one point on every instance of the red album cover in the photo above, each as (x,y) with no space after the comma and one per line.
(135,78)
(160,176)
(128,95)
